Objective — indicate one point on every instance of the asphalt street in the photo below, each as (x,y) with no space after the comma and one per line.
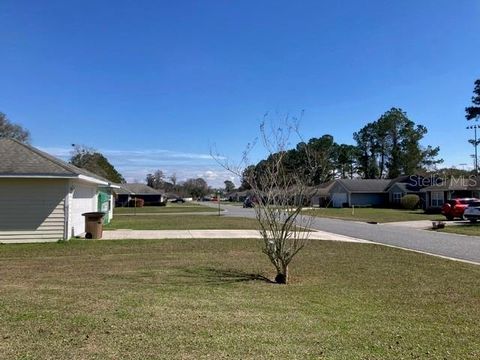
(449,245)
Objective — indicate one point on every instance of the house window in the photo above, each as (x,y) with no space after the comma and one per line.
(437,198)
(397,197)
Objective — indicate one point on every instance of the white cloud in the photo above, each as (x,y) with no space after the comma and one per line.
(134,165)
(209,175)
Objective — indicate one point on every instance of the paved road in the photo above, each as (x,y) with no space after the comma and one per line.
(449,245)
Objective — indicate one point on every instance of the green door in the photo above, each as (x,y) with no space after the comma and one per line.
(104,205)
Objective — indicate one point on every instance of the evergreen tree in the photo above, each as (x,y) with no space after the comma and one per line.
(473,112)
(93,161)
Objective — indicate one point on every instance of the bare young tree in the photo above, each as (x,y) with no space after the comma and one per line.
(13,131)
(173,179)
(279,194)
(156,180)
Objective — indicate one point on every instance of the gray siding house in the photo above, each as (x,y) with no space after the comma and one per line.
(437,195)
(407,185)
(359,192)
(43,198)
(370,192)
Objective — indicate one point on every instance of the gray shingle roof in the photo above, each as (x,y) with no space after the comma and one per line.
(19,159)
(461,183)
(398,180)
(365,185)
(323,189)
(137,189)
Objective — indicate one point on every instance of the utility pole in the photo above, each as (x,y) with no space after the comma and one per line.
(475,144)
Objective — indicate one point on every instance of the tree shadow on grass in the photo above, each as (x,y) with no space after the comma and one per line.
(221,276)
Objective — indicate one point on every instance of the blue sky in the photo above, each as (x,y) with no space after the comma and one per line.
(154,83)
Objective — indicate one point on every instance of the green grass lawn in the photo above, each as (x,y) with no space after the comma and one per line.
(233,203)
(170,208)
(466,229)
(199,299)
(180,222)
(373,214)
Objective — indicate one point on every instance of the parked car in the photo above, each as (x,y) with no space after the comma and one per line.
(455,208)
(472,212)
(178,200)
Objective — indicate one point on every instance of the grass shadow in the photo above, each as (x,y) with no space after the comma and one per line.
(469,224)
(220,276)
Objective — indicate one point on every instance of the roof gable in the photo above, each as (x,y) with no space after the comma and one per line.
(412,183)
(397,187)
(19,159)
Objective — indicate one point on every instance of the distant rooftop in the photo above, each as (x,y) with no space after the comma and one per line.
(136,189)
(365,185)
(460,183)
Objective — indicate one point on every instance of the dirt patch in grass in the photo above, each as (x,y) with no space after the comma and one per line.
(195,299)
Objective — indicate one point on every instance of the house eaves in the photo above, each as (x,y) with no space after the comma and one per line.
(19,160)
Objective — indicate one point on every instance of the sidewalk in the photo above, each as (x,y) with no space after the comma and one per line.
(210,234)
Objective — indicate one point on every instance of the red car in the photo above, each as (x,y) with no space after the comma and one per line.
(454,208)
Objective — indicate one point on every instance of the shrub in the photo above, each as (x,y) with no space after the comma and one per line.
(136,202)
(410,202)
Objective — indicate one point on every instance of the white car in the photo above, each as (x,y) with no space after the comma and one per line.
(472,212)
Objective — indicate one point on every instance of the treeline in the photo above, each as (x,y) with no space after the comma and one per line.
(194,187)
(383,149)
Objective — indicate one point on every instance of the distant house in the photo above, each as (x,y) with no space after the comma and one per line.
(239,196)
(321,194)
(128,192)
(359,192)
(370,192)
(407,185)
(43,198)
(437,195)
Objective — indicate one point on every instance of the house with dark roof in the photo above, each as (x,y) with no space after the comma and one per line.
(370,192)
(460,187)
(408,185)
(127,192)
(42,198)
(239,196)
(359,192)
(321,194)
